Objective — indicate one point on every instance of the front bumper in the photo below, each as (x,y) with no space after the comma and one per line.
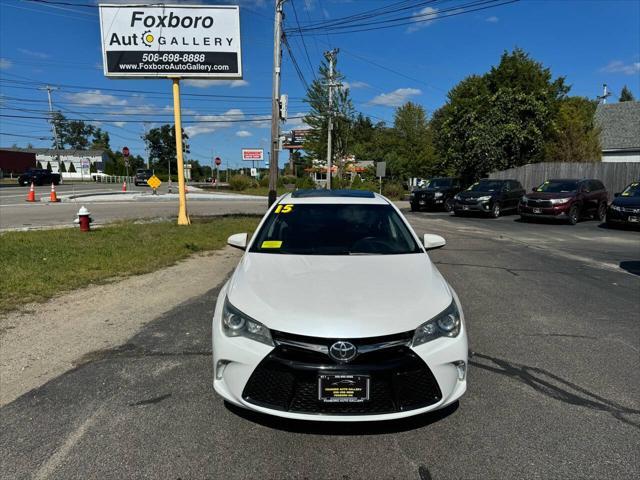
(557,211)
(462,206)
(282,381)
(623,217)
(426,202)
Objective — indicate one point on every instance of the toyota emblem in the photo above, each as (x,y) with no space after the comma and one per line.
(342,351)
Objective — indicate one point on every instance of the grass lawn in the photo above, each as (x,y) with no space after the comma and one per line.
(40,264)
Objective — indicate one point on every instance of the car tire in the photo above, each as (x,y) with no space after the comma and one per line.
(524,219)
(457,213)
(601,214)
(448,205)
(574,215)
(495,211)
(414,208)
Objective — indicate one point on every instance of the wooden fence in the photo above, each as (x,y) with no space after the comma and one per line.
(614,175)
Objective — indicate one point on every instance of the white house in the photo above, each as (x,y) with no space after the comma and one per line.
(82,160)
(620,131)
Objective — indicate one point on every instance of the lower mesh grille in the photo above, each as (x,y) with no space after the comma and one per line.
(400,381)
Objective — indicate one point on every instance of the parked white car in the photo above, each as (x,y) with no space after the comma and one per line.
(335,312)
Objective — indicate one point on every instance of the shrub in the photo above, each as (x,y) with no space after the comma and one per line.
(357,183)
(289,180)
(338,183)
(72,168)
(305,182)
(240,182)
(393,190)
(62,168)
(264,181)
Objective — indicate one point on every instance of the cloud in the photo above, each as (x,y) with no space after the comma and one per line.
(423,18)
(395,98)
(211,123)
(5,64)
(618,66)
(297,123)
(354,85)
(243,133)
(492,19)
(94,97)
(119,124)
(216,83)
(31,53)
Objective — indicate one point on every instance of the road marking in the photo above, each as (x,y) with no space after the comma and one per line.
(62,453)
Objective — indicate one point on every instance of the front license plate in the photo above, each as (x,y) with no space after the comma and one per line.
(465,207)
(421,202)
(537,210)
(343,388)
(634,219)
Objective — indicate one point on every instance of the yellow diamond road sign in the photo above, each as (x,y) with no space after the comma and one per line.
(154,182)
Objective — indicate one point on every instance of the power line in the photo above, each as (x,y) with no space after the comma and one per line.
(304,44)
(109,120)
(295,62)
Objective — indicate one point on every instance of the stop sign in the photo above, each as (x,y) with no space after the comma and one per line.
(125,151)
(218,161)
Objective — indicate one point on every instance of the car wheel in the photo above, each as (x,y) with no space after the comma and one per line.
(524,219)
(448,205)
(495,211)
(574,215)
(414,208)
(602,212)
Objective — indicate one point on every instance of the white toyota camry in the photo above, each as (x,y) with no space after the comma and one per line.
(335,312)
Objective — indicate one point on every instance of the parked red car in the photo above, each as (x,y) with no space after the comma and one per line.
(566,199)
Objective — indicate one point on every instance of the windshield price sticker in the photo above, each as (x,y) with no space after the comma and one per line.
(271,244)
(171,41)
(284,208)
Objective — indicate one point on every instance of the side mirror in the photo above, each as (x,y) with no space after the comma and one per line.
(617,194)
(432,242)
(238,240)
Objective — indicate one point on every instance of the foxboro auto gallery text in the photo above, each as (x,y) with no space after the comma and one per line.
(169,21)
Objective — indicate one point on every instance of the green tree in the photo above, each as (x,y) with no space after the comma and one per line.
(78,135)
(499,120)
(72,168)
(63,167)
(315,143)
(626,95)
(576,137)
(161,144)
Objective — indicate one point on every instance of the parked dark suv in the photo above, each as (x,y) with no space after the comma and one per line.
(566,199)
(436,193)
(38,176)
(625,208)
(489,196)
(142,175)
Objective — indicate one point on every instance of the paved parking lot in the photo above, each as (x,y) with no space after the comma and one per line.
(554,383)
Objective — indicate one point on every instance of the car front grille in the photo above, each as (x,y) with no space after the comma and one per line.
(532,202)
(287,379)
(630,210)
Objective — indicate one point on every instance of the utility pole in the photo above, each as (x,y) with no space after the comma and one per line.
(275,102)
(330,56)
(49,89)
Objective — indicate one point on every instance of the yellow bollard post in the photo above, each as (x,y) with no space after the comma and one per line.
(183,218)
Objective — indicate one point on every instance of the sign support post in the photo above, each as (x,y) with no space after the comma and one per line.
(183,218)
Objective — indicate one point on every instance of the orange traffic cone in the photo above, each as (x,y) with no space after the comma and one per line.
(124,186)
(53,198)
(31,196)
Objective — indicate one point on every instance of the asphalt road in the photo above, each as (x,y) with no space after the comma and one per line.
(554,383)
(16,213)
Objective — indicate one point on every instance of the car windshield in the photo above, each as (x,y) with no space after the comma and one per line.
(632,190)
(312,229)
(143,172)
(485,186)
(558,186)
(438,183)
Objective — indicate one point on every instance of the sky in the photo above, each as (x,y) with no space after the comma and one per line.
(589,42)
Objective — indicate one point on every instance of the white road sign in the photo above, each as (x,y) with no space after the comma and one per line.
(171,41)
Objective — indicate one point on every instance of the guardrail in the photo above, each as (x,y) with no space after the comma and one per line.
(112,179)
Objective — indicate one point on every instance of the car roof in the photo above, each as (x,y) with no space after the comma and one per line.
(334,197)
(568,179)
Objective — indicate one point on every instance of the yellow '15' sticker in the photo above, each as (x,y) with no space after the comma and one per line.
(271,244)
(284,208)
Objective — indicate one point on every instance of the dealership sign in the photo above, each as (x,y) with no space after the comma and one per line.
(171,41)
(253,154)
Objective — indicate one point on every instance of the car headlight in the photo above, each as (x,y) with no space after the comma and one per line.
(560,201)
(438,195)
(616,208)
(237,324)
(457,198)
(486,198)
(446,324)
(524,199)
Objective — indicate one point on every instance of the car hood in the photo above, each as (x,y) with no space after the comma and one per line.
(632,202)
(339,296)
(549,195)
